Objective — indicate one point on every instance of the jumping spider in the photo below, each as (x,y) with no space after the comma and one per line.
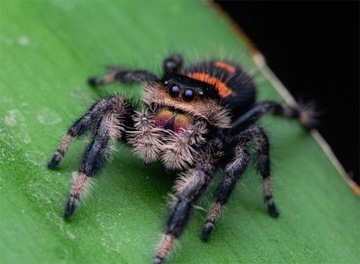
(196,120)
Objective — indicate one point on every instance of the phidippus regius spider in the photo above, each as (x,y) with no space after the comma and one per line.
(196,120)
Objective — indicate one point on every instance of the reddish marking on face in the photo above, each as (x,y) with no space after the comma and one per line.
(223,90)
(182,122)
(225,66)
(163,117)
(177,122)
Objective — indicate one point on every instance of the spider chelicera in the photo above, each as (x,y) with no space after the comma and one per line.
(196,120)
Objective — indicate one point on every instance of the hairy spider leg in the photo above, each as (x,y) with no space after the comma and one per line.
(305,115)
(172,65)
(256,133)
(233,171)
(108,118)
(116,73)
(93,159)
(79,128)
(189,188)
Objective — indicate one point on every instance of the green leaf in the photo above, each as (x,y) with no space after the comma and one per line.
(47,50)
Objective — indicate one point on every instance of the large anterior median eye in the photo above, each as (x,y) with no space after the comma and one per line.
(188,95)
(174,91)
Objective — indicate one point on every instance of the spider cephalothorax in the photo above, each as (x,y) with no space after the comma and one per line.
(195,120)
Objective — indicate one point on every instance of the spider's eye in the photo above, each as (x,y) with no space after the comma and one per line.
(188,95)
(174,91)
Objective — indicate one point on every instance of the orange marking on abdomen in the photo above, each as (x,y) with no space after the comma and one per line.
(225,66)
(223,90)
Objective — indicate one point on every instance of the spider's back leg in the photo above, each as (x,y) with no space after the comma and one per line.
(305,114)
(172,64)
(117,73)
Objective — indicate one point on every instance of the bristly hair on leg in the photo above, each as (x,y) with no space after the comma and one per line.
(164,248)
(146,139)
(80,187)
(179,151)
(309,114)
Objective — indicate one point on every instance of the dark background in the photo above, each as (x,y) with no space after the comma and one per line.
(313,48)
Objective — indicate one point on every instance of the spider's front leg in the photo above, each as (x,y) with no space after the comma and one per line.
(189,188)
(107,119)
(235,168)
(258,136)
(233,171)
